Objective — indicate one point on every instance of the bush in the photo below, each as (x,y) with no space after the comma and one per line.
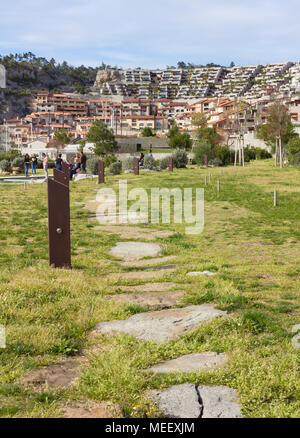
(149,162)
(115,168)
(222,153)
(164,163)
(262,154)
(51,164)
(92,166)
(109,159)
(10,155)
(296,159)
(202,148)
(18,162)
(180,159)
(215,162)
(4,166)
(127,164)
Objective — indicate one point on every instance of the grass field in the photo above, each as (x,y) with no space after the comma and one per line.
(253,246)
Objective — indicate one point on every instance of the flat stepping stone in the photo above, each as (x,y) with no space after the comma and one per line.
(163,325)
(191,363)
(150,287)
(142,275)
(135,250)
(191,401)
(130,232)
(147,262)
(194,273)
(151,300)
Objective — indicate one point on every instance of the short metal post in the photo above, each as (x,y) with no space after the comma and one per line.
(205,160)
(275,198)
(59,219)
(170,164)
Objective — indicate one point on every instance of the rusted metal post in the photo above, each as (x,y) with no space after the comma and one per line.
(136,168)
(205,160)
(170,164)
(59,219)
(100,172)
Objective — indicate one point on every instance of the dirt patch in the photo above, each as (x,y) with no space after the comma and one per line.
(150,287)
(61,374)
(147,262)
(151,300)
(131,232)
(91,409)
(143,275)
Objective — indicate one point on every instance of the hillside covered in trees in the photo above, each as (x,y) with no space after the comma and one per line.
(27,73)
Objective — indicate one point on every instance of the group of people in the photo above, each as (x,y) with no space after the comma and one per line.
(30,162)
(78,166)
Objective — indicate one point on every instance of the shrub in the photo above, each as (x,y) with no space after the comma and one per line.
(262,154)
(149,162)
(127,164)
(202,148)
(215,162)
(10,155)
(164,163)
(180,159)
(51,164)
(18,162)
(4,165)
(221,152)
(109,159)
(92,166)
(296,159)
(115,168)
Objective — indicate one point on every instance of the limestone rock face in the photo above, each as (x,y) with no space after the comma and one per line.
(106,76)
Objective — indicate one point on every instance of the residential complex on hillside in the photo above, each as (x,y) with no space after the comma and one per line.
(234,101)
(251,82)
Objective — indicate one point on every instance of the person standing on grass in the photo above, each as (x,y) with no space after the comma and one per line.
(26,164)
(58,162)
(45,164)
(33,164)
(82,162)
(76,164)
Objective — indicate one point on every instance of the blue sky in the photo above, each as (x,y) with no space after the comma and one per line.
(152,33)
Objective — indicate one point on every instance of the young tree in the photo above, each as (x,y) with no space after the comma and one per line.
(199,120)
(102,138)
(278,130)
(61,138)
(147,132)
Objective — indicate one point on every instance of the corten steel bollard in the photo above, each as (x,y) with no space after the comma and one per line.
(136,167)
(100,172)
(205,160)
(59,219)
(170,164)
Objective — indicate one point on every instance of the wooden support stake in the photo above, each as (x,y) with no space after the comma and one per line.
(100,172)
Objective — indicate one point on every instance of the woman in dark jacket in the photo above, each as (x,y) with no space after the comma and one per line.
(26,164)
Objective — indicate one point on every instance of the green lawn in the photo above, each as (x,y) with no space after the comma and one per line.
(254,248)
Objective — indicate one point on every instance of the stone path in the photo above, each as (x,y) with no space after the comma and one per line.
(135,250)
(194,273)
(193,401)
(163,325)
(190,363)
